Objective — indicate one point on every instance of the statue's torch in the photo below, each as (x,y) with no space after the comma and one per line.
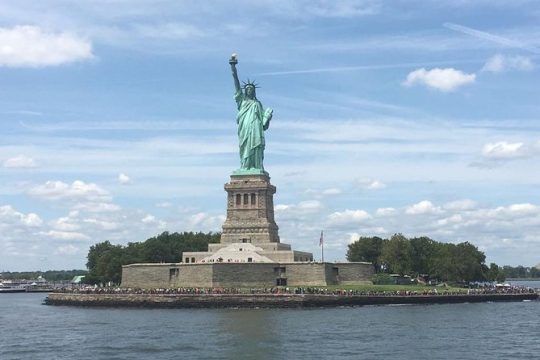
(233,60)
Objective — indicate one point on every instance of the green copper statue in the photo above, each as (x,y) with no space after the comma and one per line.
(252,121)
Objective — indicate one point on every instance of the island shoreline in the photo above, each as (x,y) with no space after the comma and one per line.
(268,300)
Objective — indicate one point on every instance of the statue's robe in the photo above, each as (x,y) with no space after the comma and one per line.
(252,121)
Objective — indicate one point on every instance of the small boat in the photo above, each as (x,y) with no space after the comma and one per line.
(5,288)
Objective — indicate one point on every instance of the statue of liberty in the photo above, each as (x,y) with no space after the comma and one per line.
(252,121)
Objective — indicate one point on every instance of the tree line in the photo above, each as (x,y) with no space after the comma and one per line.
(521,272)
(461,262)
(105,260)
(49,275)
(422,256)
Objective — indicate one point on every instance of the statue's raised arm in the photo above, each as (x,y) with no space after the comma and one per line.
(252,120)
(233,61)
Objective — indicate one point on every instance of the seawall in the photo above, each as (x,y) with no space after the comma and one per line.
(267,300)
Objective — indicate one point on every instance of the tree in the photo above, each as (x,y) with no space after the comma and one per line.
(459,263)
(495,273)
(468,262)
(366,249)
(105,260)
(95,252)
(520,272)
(442,263)
(104,263)
(50,275)
(423,250)
(535,272)
(397,254)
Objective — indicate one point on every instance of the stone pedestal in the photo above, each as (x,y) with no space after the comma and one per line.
(250,211)
(249,234)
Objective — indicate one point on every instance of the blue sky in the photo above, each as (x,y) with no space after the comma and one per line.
(420,117)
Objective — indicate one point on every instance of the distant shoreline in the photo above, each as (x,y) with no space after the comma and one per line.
(523,279)
(267,300)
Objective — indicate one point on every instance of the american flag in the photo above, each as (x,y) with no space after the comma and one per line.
(321,240)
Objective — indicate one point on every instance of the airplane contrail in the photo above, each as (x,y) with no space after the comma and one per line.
(365,67)
(490,37)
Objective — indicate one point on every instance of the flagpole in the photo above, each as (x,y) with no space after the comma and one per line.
(321,244)
(322,251)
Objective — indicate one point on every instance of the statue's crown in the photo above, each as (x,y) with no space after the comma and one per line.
(250,83)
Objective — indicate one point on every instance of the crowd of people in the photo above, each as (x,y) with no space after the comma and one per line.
(299,291)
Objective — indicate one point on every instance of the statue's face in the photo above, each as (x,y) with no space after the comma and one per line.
(250,92)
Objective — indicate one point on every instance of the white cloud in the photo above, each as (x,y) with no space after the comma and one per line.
(423,207)
(303,208)
(462,220)
(500,63)
(149,219)
(96,207)
(67,250)
(66,235)
(524,208)
(78,190)
(371,184)
(376,185)
(64,224)
(31,219)
(456,218)
(504,150)
(464,204)
(318,194)
(123,179)
(29,46)
(446,80)
(205,222)
(20,161)
(348,217)
(102,224)
(310,205)
(10,216)
(18,233)
(331,191)
(385,211)
(281,207)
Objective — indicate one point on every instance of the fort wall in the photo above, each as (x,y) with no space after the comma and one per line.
(152,276)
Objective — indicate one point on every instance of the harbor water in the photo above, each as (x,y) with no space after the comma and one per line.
(30,330)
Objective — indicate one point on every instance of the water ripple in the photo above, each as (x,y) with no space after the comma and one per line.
(30,330)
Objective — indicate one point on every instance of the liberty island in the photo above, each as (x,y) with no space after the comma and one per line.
(250,254)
